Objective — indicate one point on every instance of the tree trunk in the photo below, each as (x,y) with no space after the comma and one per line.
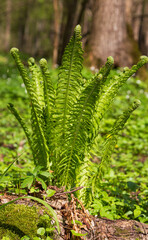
(136,12)
(108,35)
(70,10)
(8,25)
(137,19)
(84,19)
(57,6)
(129,10)
(23,21)
(143,29)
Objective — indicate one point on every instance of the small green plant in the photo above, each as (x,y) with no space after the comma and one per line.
(36,175)
(65,121)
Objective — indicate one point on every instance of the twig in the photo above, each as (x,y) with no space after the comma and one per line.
(57,194)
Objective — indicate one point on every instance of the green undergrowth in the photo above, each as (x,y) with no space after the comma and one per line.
(123,191)
(17,221)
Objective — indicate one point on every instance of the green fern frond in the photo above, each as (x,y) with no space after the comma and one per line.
(37,120)
(79,125)
(29,86)
(109,91)
(21,122)
(23,125)
(49,100)
(49,93)
(83,179)
(111,141)
(31,92)
(40,147)
(73,154)
(68,83)
(37,80)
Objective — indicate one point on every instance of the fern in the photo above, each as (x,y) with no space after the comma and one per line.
(79,125)
(68,84)
(22,123)
(109,91)
(65,121)
(49,100)
(36,81)
(39,145)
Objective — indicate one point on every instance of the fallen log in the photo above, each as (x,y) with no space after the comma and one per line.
(73,216)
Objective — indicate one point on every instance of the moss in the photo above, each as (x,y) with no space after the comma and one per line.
(6,234)
(137,229)
(19,220)
(120,232)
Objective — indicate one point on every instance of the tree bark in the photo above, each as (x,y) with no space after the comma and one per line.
(137,21)
(70,12)
(84,19)
(143,29)
(121,230)
(108,35)
(22,25)
(136,12)
(57,6)
(8,25)
(129,10)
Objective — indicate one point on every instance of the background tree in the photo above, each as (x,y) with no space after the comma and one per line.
(109,35)
(43,28)
(58,9)
(143,34)
(73,13)
(8,24)
(137,22)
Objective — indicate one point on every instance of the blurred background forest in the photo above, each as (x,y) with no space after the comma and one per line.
(43,28)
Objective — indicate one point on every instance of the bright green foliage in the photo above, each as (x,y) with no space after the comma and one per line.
(65,121)
(38,141)
(110,90)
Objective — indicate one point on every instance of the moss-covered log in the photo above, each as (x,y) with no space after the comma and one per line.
(18,220)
